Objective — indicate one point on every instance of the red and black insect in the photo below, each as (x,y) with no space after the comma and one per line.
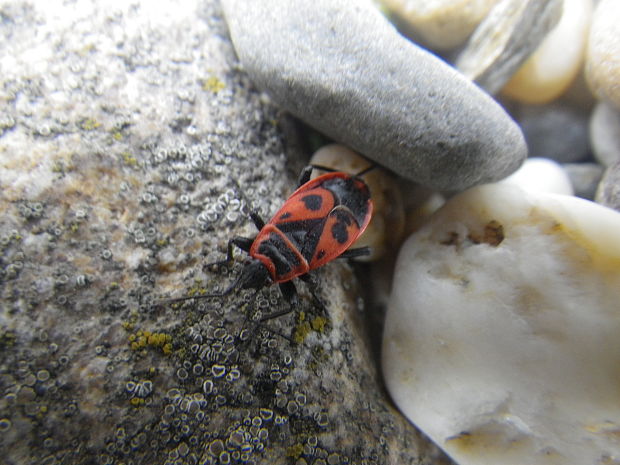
(318,223)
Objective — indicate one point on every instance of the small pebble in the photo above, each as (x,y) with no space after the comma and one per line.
(603,52)
(386,227)
(509,34)
(584,178)
(605,133)
(439,24)
(608,192)
(377,92)
(501,335)
(555,131)
(541,175)
(551,69)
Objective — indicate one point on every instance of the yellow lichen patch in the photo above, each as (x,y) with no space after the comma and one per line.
(117,136)
(302,330)
(136,401)
(7,338)
(144,339)
(295,450)
(318,323)
(213,84)
(129,159)
(90,124)
(306,327)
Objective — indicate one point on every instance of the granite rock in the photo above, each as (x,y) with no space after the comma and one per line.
(343,69)
(130,149)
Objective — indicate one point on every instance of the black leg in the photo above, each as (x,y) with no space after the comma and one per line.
(358,252)
(257,220)
(244,243)
(289,292)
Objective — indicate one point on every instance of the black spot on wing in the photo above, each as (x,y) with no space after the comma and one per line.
(286,215)
(339,228)
(320,255)
(353,197)
(312,201)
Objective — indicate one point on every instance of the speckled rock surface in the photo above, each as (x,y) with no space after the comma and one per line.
(122,131)
(343,69)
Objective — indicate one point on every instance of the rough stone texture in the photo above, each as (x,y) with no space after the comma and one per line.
(123,130)
(342,68)
(608,192)
(502,42)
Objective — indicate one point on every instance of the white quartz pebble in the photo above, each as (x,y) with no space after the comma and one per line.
(553,66)
(501,338)
(542,175)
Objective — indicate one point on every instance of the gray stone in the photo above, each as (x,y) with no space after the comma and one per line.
(342,68)
(557,131)
(131,145)
(502,42)
(605,133)
(608,192)
(584,178)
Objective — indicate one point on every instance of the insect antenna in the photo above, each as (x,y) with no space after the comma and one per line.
(366,170)
(200,296)
(333,170)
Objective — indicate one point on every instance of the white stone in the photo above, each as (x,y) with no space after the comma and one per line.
(441,24)
(551,69)
(501,338)
(603,53)
(541,175)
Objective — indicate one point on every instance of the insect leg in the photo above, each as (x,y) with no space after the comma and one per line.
(289,292)
(244,243)
(257,220)
(357,252)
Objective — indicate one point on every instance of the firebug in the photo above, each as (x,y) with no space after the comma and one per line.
(317,224)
